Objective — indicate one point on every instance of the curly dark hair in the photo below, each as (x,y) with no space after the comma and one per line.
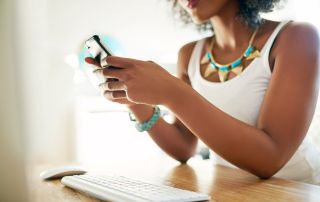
(249,13)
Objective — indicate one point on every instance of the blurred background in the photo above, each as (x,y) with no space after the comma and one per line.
(61,117)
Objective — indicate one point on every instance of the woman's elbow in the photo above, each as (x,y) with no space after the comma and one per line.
(184,159)
(265,175)
(267,172)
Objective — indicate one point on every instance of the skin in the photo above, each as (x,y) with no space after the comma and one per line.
(286,111)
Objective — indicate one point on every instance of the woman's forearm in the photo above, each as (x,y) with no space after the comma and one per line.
(241,144)
(175,142)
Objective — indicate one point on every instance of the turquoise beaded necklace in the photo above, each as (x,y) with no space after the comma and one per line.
(236,66)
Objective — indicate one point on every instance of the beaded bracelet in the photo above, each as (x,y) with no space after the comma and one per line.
(145,126)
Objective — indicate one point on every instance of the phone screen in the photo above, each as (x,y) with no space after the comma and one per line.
(97,50)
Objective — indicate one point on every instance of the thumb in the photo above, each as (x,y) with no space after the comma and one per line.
(92,61)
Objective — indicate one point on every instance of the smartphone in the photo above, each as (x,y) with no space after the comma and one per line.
(97,50)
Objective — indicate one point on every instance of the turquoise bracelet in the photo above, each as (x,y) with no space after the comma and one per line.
(145,126)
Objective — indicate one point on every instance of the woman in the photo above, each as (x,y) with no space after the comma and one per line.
(248,92)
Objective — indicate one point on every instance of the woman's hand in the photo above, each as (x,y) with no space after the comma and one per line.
(106,92)
(141,82)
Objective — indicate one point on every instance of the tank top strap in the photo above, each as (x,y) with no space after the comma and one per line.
(267,47)
(194,59)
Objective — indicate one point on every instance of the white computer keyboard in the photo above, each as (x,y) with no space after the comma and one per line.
(118,188)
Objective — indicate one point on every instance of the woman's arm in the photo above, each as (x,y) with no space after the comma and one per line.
(285,115)
(175,139)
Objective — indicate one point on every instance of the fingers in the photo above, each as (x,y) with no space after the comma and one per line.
(120,74)
(113,86)
(115,61)
(92,61)
(114,95)
(121,62)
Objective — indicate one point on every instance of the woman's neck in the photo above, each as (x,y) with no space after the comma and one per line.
(230,34)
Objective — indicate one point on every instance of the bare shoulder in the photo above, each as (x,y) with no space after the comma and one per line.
(187,48)
(297,56)
(184,56)
(299,29)
(299,37)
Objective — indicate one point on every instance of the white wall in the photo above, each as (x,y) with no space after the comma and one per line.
(12,176)
(50,30)
(47,89)
(145,27)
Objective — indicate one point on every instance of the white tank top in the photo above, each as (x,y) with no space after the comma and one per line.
(241,97)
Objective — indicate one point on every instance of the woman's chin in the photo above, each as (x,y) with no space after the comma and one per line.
(199,17)
(198,20)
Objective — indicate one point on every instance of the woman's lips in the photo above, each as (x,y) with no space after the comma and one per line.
(192,3)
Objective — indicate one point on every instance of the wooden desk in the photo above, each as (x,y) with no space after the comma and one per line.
(223,184)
